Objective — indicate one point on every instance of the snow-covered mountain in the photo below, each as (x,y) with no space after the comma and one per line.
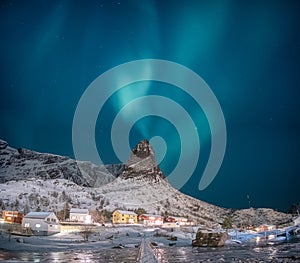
(45,181)
(143,184)
(22,164)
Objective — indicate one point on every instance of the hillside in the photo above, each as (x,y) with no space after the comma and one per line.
(22,164)
(32,181)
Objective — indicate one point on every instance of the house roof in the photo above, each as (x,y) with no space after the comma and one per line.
(79,211)
(40,215)
(126,212)
(263,225)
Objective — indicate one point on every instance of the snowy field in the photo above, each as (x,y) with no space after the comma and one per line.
(123,244)
(114,242)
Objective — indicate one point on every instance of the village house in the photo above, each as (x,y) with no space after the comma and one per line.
(124,217)
(12,217)
(151,220)
(181,221)
(264,228)
(80,215)
(41,223)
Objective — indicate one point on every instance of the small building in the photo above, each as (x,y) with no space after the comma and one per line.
(170,219)
(12,217)
(80,215)
(124,217)
(41,223)
(264,228)
(151,220)
(182,221)
(178,220)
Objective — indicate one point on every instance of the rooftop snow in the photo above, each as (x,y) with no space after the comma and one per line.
(126,212)
(152,215)
(79,211)
(38,215)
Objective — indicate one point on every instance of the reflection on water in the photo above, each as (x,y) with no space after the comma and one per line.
(102,255)
(284,252)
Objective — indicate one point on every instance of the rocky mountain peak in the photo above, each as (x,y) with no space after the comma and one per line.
(142,163)
(142,155)
(143,149)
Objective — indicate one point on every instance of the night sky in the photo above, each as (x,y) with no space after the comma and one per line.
(247,52)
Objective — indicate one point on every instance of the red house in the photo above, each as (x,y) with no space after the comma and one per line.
(151,220)
(12,217)
(264,228)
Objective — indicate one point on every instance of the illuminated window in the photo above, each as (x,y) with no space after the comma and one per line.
(27,225)
(37,225)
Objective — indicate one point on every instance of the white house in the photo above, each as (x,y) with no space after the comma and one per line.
(80,215)
(181,221)
(41,223)
(152,220)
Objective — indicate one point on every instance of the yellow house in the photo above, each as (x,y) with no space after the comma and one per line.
(124,217)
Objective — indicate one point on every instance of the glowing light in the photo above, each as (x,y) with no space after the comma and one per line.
(258,239)
(88,219)
(102,88)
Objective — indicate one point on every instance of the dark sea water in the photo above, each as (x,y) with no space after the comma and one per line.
(284,252)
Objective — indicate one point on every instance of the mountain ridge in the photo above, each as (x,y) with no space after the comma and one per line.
(22,163)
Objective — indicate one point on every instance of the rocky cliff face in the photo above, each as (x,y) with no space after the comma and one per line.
(21,164)
(142,164)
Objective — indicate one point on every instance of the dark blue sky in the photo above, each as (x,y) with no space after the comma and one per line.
(247,52)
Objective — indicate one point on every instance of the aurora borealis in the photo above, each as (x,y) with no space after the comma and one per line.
(247,52)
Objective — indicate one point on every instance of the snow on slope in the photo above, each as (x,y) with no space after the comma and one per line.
(22,163)
(47,182)
(49,195)
(160,197)
(52,194)
(260,216)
